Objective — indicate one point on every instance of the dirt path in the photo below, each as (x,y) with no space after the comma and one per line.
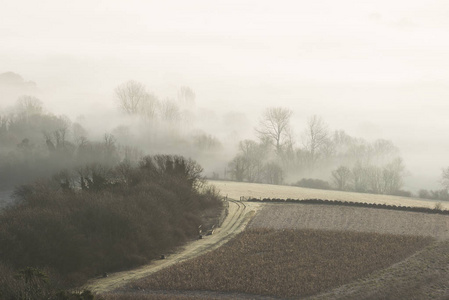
(238,217)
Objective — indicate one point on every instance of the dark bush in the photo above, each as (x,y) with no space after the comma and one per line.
(35,284)
(424,194)
(112,227)
(402,193)
(313,184)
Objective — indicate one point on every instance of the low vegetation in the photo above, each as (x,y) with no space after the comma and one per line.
(442,194)
(286,263)
(36,284)
(145,296)
(105,221)
(313,184)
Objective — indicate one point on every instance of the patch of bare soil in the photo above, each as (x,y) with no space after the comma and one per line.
(239,214)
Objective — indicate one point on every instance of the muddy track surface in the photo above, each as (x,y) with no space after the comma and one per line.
(239,214)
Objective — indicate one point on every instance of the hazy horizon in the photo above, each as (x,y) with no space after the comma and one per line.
(374,69)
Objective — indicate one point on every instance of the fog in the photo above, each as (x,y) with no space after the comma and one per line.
(376,69)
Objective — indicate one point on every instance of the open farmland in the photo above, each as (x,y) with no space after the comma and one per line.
(344,218)
(285,263)
(318,251)
(292,250)
(235,190)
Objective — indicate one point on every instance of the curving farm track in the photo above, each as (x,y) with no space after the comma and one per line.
(239,214)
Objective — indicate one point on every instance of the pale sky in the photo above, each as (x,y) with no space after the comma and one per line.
(336,41)
(374,68)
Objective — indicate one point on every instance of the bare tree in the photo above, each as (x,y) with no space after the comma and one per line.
(392,176)
(57,139)
(360,178)
(132,97)
(206,142)
(150,107)
(275,125)
(94,177)
(375,179)
(29,105)
(110,155)
(254,156)
(382,151)
(445,178)
(237,168)
(170,112)
(273,173)
(316,138)
(79,132)
(186,96)
(341,177)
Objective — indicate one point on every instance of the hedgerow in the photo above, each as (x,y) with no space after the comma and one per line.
(436,210)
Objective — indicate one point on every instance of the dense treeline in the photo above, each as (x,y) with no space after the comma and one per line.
(103,208)
(35,144)
(99,222)
(164,124)
(352,163)
(442,194)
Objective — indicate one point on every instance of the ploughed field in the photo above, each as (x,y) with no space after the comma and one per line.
(317,252)
(346,218)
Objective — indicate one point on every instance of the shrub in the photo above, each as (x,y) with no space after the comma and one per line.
(434,194)
(438,206)
(424,194)
(35,284)
(313,184)
(82,233)
(402,193)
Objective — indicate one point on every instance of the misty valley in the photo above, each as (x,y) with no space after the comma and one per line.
(84,197)
(236,149)
(37,144)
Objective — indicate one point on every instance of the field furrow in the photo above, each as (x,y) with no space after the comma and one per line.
(344,218)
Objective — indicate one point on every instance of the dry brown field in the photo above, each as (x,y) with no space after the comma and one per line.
(424,275)
(292,250)
(235,190)
(347,218)
(315,251)
(285,263)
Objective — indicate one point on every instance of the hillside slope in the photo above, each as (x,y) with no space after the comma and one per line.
(236,190)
